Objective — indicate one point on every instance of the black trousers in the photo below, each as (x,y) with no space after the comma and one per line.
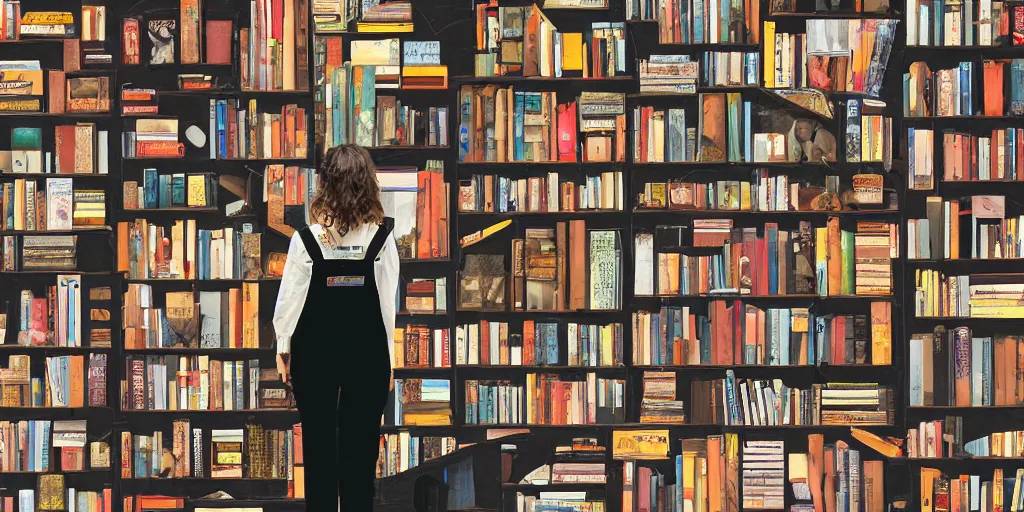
(340,412)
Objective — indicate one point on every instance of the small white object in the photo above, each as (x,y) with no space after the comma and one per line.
(195,135)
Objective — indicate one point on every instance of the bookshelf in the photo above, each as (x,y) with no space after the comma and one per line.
(601,145)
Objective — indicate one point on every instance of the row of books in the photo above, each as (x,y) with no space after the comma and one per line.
(825,261)
(158,138)
(975,225)
(700,21)
(763,193)
(53,496)
(979,296)
(252,452)
(56,318)
(273,52)
(423,402)
(952,367)
(730,401)
(522,41)
(220,319)
(40,252)
(77,149)
(337,16)
(403,451)
(563,502)
(834,476)
(731,128)
(490,343)
(191,254)
(659,404)
(706,478)
(248,133)
(67,382)
(425,296)
(952,92)
(975,23)
(965,156)
(541,129)
(352,111)
(842,55)
(197,383)
(418,201)
(419,346)
(567,268)
(970,491)
(160,191)
(745,334)
(937,439)
(50,205)
(499,194)
(546,400)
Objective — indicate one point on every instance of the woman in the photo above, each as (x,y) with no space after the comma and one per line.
(335,314)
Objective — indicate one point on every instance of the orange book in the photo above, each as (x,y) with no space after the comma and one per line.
(954,229)
(830,482)
(423,215)
(815,454)
(993,87)
(275,138)
(835,258)
(528,342)
(577,264)
(715,470)
(485,343)
(122,247)
(235,318)
(1020,364)
(1009,375)
(77,382)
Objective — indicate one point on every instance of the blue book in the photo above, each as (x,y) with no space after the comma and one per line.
(165,191)
(784,335)
(517,130)
(916,379)
(966,86)
(655,337)
(937,23)
(705,340)
(771,232)
(550,334)
(698,22)
(149,190)
(222,135)
(723,29)
(748,153)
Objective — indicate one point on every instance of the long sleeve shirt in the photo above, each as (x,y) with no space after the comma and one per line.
(299,267)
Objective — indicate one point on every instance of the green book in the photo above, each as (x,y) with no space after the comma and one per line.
(847,247)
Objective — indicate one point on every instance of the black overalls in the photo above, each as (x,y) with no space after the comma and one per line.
(340,372)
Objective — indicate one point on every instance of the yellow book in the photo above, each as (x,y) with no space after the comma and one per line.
(689,458)
(381,27)
(821,257)
(196,195)
(876,443)
(769,54)
(606,345)
(572,51)
(419,72)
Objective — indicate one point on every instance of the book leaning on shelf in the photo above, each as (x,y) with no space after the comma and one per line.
(498,194)
(490,343)
(402,452)
(63,384)
(974,227)
(732,401)
(968,296)
(196,383)
(953,367)
(273,51)
(745,334)
(522,41)
(146,251)
(270,454)
(826,261)
(223,319)
(566,268)
(820,60)
(42,446)
(701,21)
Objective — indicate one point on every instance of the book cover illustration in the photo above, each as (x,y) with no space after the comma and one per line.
(131,45)
(161,37)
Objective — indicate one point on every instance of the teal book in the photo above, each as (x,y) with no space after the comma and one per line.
(164,191)
(178,190)
(26,139)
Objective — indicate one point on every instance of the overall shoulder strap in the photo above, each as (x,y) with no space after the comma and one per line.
(383,232)
(312,247)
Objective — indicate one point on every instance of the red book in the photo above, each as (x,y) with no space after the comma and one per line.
(485,342)
(528,343)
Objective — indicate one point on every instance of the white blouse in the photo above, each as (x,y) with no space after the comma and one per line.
(299,267)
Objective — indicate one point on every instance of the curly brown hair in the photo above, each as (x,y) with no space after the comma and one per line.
(348,194)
